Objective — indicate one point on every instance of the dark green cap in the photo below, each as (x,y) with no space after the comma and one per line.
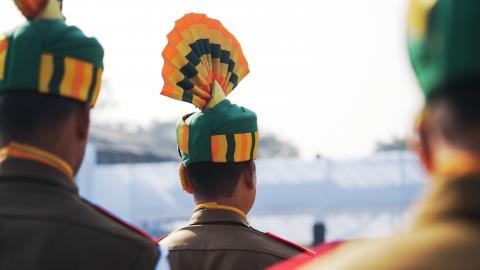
(226,133)
(444,41)
(50,57)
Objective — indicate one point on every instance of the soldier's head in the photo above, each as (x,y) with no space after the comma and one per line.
(444,46)
(50,78)
(204,62)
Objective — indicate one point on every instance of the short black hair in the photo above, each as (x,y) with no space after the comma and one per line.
(23,113)
(461,123)
(211,180)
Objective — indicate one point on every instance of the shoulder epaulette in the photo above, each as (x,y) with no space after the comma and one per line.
(290,243)
(125,224)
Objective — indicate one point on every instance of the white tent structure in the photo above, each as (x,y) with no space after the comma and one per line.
(362,197)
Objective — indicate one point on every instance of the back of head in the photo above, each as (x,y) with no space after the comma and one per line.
(27,116)
(455,114)
(211,180)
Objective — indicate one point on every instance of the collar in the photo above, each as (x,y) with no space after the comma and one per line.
(25,151)
(456,199)
(216,213)
(16,169)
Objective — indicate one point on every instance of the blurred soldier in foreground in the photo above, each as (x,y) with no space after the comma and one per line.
(50,76)
(444,45)
(203,64)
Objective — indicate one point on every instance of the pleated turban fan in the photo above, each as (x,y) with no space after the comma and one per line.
(444,42)
(47,56)
(203,64)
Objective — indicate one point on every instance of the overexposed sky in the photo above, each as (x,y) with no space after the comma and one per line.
(332,77)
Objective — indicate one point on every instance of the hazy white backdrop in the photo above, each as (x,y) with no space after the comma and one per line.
(330,76)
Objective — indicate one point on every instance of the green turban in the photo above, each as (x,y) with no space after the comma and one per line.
(204,62)
(444,41)
(49,57)
(226,133)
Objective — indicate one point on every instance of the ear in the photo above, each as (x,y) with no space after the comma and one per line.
(423,144)
(185,180)
(82,120)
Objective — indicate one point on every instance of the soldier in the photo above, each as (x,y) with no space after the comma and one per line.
(217,145)
(444,46)
(50,76)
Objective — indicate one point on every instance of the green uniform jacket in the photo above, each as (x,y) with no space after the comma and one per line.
(222,239)
(445,236)
(44,224)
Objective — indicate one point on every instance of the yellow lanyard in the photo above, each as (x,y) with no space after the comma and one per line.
(25,151)
(214,205)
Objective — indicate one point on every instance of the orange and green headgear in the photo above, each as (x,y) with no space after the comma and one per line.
(444,42)
(46,56)
(203,64)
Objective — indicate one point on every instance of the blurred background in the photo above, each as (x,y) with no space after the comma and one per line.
(333,90)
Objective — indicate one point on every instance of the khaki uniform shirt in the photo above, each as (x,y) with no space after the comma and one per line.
(446,236)
(222,239)
(44,224)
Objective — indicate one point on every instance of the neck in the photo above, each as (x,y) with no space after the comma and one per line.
(229,202)
(454,163)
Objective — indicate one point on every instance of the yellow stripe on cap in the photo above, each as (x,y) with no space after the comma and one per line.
(87,81)
(46,72)
(238,147)
(98,85)
(3,56)
(182,139)
(418,17)
(243,147)
(68,77)
(248,147)
(219,148)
